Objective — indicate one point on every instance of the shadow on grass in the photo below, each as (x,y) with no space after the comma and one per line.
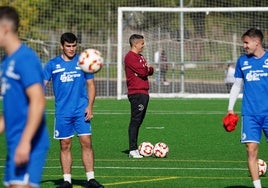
(125,151)
(59,181)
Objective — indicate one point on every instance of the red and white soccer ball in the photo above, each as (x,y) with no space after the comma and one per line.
(146,149)
(262,167)
(90,61)
(161,150)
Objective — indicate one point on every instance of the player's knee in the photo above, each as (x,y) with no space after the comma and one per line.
(65,145)
(86,146)
(85,142)
(136,122)
(252,150)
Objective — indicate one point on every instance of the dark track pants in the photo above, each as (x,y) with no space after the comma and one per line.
(138,104)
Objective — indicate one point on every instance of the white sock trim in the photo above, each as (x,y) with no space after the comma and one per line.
(257,183)
(67,177)
(90,175)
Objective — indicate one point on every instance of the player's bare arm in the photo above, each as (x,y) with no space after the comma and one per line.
(2,124)
(35,114)
(91,90)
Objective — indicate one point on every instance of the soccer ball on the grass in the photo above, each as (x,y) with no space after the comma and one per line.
(146,149)
(90,61)
(161,150)
(262,167)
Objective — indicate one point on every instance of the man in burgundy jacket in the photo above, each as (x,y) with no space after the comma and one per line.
(137,72)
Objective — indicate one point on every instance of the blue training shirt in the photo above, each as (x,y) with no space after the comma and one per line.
(69,85)
(254,72)
(20,70)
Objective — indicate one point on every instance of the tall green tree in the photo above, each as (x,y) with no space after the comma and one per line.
(28,12)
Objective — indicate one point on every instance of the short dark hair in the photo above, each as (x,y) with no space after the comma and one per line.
(68,37)
(134,37)
(10,13)
(254,33)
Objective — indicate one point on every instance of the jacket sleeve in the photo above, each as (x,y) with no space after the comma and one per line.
(151,71)
(141,70)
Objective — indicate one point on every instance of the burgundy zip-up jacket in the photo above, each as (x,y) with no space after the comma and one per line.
(137,73)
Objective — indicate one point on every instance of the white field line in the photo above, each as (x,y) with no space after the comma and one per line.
(150,168)
(163,168)
(172,168)
(51,112)
(161,127)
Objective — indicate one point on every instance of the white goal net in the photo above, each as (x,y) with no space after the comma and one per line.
(199,43)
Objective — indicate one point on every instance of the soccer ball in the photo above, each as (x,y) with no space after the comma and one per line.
(146,149)
(90,61)
(161,150)
(262,167)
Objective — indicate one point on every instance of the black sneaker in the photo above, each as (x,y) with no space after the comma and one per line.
(65,184)
(93,184)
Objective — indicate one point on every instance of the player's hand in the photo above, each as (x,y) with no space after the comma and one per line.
(148,66)
(2,124)
(230,112)
(88,115)
(150,69)
(22,153)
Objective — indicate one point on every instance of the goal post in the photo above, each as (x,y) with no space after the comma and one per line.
(199,42)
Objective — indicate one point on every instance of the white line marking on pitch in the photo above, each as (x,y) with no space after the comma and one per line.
(155,127)
(52,112)
(164,168)
(151,168)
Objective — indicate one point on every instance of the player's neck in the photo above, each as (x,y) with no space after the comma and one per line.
(13,43)
(135,51)
(66,58)
(259,53)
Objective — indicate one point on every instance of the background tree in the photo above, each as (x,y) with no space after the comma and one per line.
(28,11)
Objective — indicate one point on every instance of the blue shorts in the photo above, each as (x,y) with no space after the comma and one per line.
(65,127)
(31,173)
(252,127)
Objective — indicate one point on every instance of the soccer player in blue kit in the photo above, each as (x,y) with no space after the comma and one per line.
(251,73)
(74,92)
(23,117)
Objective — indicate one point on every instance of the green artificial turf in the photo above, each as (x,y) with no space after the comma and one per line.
(202,153)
